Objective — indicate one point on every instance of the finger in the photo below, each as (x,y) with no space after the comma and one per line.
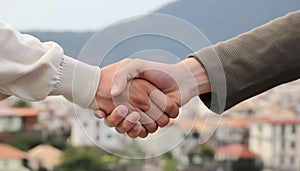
(141,102)
(164,103)
(116,116)
(99,114)
(158,115)
(144,133)
(150,125)
(128,123)
(121,77)
(135,131)
(172,109)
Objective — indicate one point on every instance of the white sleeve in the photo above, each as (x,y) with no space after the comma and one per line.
(32,70)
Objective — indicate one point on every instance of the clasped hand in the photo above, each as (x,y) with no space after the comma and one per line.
(137,96)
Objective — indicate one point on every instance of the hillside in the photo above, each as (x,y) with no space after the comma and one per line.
(218,20)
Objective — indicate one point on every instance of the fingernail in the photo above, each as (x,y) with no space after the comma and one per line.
(134,117)
(100,114)
(114,90)
(122,110)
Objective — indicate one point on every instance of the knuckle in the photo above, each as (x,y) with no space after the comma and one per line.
(172,109)
(120,130)
(132,135)
(141,102)
(134,132)
(109,123)
(163,121)
(143,134)
(152,127)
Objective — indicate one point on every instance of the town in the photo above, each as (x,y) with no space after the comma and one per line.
(262,133)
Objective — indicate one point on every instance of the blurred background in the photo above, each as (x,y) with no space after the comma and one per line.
(262,133)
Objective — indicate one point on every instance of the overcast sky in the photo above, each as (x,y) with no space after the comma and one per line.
(76,15)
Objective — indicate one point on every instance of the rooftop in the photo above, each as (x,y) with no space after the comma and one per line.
(236,150)
(10,152)
(22,112)
(237,122)
(281,121)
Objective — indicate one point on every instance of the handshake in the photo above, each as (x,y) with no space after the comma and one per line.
(137,96)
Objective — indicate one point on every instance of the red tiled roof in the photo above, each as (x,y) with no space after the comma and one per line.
(281,121)
(10,152)
(237,122)
(236,150)
(22,112)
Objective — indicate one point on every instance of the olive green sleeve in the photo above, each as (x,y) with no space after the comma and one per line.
(253,62)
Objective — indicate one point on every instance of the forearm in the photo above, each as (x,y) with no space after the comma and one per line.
(256,61)
(200,75)
(32,70)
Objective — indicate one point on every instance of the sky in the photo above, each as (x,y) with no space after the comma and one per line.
(72,15)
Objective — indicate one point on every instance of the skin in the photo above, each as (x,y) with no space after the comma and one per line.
(167,85)
(129,114)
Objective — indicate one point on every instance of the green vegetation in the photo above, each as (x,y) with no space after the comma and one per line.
(21,104)
(22,140)
(91,159)
(27,140)
(207,153)
(203,151)
(246,165)
(170,163)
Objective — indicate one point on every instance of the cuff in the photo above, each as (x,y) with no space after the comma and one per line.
(216,100)
(78,81)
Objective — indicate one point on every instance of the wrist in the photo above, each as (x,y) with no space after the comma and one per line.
(78,81)
(103,98)
(200,75)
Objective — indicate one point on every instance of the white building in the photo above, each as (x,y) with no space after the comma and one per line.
(16,119)
(56,115)
(233,130)
(11,158)
(87,130)
(277,142)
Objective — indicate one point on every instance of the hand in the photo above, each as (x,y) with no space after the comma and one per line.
(180,82)
(143,97)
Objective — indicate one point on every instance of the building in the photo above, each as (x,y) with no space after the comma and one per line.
(87,130)
(17,119)
(286,96)
(233,130)
(277,142)
(233,152)
(56,115)
(11,158)
(44,156)
(236,157)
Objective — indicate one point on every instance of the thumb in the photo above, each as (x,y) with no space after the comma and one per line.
(119,84)
(121,77)
(128,71)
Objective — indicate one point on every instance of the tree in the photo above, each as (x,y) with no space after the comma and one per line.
(25,140)
(207,152)
(246,164)
(204,151)
(170,164)
(82,159)
(21,104)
